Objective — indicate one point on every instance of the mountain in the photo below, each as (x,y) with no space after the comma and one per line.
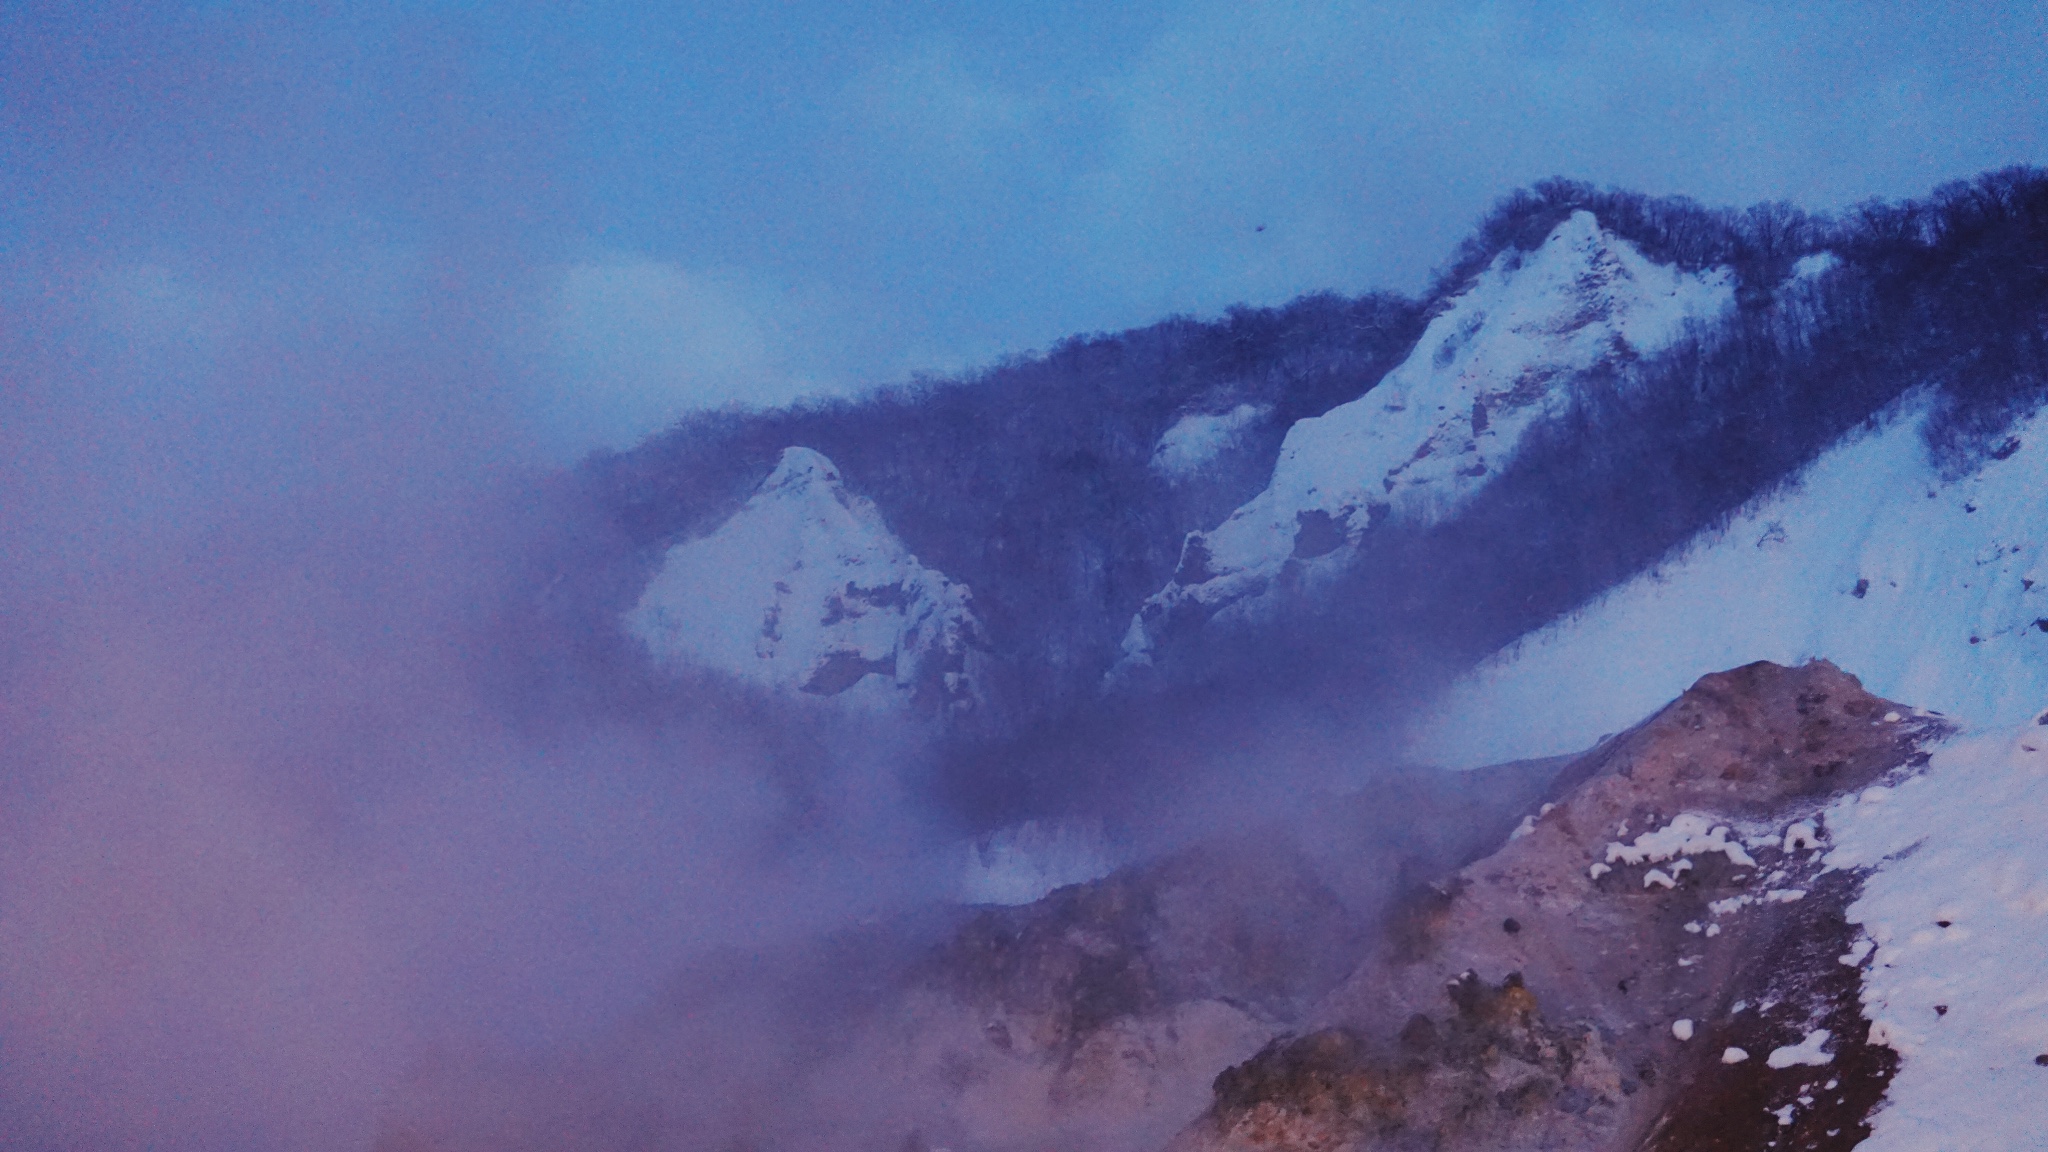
(1495,359)
(804,589)
(1373,495)
(1235,581)
(1056,487)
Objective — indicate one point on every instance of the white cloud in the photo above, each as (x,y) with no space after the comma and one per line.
(640,342)
(928,105)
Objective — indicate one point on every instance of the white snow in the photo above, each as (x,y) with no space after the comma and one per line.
(1815,265)
(806,589)
(1681,1029)
(1734,1056)
(1021,864)
(1806,1052)
(1966,843)
(1199,437)
(1502,355)
(1953,578)
(1801,835)
(1688,834)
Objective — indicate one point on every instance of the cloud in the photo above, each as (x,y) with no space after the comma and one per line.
(926,107)
(639,342)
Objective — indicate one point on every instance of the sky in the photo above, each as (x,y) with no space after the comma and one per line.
(578,221)
(299,304)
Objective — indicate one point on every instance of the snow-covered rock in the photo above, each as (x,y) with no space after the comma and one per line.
(1928,589)
(1956,905)
(1501,356)
(806,590)
(1199,437)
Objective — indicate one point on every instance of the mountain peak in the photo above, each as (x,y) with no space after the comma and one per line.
(1501,355)
(800,467)
(805,589)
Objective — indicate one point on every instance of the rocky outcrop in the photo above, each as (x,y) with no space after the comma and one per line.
(1098,1016)
(806,591)
(1503,354)
(1650,962)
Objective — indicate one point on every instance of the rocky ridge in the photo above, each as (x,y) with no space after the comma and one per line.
(1502,355)
(805,590)
(1657,960)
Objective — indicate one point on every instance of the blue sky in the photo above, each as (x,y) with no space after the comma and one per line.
(583,219)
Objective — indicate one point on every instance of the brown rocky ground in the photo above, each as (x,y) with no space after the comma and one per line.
(1602,951)
(1099,1016)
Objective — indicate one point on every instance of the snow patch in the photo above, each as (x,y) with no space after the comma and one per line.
(1801,836)
(1806,1052)
(1688,834)
(1970,848)
(1198,438)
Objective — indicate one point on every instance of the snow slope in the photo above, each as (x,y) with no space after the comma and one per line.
(1501,355)
(805,589)
(1930,591)
(1957,911)
(1199,437)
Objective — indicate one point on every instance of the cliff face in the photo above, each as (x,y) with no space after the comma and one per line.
(805,590)
(1650,962)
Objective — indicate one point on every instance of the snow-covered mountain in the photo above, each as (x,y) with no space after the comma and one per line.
(806,590)
(1931,589)
(1500,356)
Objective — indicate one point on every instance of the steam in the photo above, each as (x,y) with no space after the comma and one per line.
(277,819)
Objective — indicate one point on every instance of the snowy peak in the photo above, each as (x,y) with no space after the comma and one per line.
(805,589)
(803,470)
(1502,355)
